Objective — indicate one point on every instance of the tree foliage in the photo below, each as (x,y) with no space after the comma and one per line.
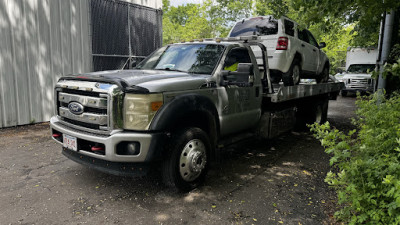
(339,23)
(213,18)
(364,14)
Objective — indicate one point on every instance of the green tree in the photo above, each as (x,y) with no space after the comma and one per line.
(184,22)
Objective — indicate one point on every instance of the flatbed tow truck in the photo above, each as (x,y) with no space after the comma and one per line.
(177,106)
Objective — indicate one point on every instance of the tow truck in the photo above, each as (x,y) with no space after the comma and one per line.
(177,107)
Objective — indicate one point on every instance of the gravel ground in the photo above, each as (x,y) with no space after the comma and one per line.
(258,182)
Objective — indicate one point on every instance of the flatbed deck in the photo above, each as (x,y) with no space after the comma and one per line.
(282,93)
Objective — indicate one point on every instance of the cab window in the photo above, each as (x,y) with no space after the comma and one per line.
(236,56)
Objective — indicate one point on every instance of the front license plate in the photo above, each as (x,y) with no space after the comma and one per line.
(70,142)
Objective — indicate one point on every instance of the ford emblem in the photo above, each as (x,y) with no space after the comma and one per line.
(75,108)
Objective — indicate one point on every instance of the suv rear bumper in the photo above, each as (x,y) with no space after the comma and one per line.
(150,144)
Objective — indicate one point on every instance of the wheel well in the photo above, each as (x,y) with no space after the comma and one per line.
(202,120)
(326,64)
(298,57)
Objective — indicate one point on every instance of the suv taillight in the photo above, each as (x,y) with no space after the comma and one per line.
(282,44)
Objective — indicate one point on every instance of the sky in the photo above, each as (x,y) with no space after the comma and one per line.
(184,2)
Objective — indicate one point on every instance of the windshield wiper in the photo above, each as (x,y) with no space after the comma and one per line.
(169,69)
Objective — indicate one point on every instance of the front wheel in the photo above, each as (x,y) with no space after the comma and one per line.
(186,164)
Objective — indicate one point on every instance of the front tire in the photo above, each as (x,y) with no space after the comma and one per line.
(292,77)
(186,164)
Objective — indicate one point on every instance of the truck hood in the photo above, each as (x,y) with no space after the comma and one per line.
(356,76)
(145,80)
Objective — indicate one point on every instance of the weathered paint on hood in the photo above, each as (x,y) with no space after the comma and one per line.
(152,80)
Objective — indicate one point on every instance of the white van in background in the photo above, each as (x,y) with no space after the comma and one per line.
(359,62)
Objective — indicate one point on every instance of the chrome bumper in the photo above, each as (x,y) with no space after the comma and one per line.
(148,144)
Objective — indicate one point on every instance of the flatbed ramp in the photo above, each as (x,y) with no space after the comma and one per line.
(282,93)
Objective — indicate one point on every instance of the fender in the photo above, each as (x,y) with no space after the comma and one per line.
(181,107)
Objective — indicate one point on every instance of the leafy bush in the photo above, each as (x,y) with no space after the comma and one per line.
(394,54)
(366,162)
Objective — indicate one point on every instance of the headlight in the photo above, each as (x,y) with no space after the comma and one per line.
(139,110)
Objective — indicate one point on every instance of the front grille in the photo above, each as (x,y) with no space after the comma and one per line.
(359,83)
(80,92)
(93,115)
(82,124)
(88,109)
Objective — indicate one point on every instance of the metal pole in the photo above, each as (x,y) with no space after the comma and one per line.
(386,45)
(129,36)
(378,59)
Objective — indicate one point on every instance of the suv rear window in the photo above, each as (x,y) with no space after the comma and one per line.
(255,26)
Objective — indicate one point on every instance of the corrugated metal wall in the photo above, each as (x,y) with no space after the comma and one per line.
(40,40)
(156,4)
(123,31)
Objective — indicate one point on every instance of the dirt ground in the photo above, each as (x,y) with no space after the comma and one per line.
(258,182)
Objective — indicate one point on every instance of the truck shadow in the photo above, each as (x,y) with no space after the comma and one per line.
(238,165)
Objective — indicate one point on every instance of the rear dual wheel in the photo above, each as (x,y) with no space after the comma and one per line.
(186,163)
(314,112)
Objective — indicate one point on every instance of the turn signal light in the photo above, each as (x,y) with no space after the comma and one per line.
(156,105)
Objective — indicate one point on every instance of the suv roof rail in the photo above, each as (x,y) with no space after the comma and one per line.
(251,38)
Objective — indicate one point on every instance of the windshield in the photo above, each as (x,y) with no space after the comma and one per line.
(191,58)
(360,68)
(255,26)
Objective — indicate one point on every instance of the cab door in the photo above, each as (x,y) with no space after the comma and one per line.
(240,96)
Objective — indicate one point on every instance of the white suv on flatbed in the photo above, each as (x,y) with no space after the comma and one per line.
(293,53)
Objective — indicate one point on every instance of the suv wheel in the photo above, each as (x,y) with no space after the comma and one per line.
(292,77)
(186,164)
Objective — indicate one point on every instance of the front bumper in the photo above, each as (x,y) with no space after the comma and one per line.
(353,88)
(150,143)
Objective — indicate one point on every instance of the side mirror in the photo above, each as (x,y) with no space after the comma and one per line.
(322,45)
(245,68)
(239,77)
